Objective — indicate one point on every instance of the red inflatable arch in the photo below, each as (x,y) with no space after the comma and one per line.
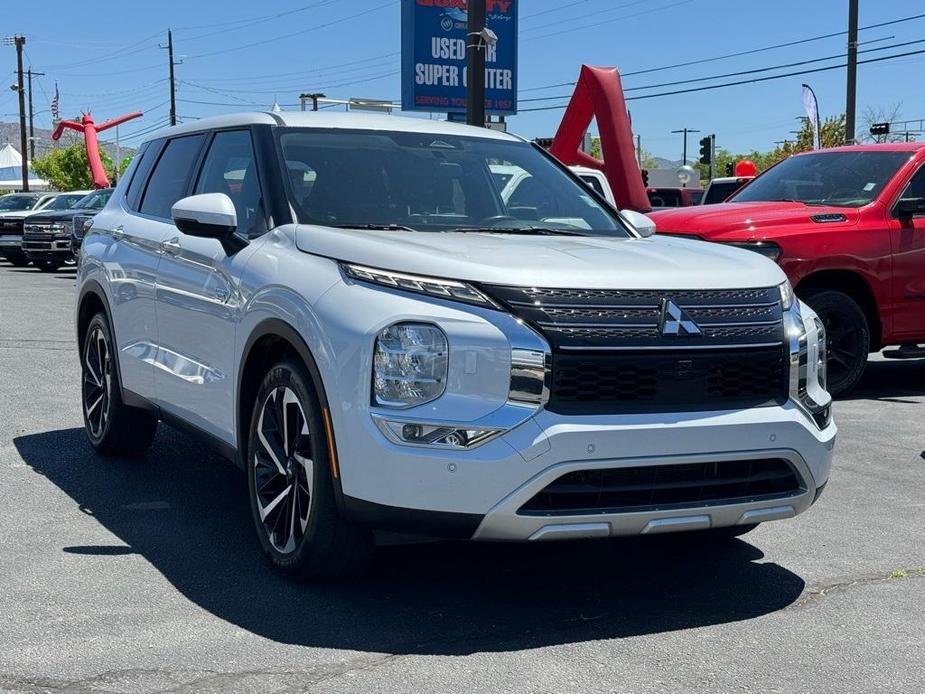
(599,93)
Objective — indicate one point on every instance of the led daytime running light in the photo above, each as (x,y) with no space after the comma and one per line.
(431,286)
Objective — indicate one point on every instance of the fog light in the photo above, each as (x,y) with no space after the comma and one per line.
(435,435)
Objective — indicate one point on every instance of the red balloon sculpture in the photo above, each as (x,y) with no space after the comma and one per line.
(599,94)
(90,129)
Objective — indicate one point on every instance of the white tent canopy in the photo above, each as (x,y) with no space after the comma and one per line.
(11,171)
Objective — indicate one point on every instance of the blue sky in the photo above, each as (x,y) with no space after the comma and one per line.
(109,60)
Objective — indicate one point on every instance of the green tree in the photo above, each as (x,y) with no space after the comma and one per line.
(67,168)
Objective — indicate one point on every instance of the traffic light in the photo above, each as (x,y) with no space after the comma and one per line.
(544,142)
(706,150)
(645,177)
(730,169)
(880,129)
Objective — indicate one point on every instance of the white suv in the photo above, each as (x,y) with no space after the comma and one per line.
(350,310)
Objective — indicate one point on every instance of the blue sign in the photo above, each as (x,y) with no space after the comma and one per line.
(433,56)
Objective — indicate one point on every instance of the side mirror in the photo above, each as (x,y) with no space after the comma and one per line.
(643,225)
(210,216)
(910,207)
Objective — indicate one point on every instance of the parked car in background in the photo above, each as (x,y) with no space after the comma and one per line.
(46,238)
(13,207)
(597,181)
(719,189)
(674,197)
(847,225)
(399,345)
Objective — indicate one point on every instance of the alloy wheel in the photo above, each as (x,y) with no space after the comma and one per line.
(283,469)
(842,346)
(97,382)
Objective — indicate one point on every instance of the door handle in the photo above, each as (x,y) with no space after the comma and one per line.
(172,246)
(118,233)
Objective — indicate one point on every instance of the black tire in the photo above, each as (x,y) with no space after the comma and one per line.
(848,337)
(17,259)
(46,265)
(113,428)
(288,469)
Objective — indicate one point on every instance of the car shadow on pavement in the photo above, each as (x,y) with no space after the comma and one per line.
(891,381)
(185,511)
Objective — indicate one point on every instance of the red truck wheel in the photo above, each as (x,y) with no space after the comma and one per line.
(848,337)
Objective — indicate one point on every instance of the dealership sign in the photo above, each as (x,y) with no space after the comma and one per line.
(433,56)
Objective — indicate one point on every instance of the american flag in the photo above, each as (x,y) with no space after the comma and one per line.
(55,115)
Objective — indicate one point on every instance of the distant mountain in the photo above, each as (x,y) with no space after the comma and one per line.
(9,132)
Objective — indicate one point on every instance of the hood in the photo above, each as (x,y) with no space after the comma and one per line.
(746,221)
(546,261)
(59,215)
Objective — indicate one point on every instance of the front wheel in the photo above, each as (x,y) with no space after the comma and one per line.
(847,337)
(290,482)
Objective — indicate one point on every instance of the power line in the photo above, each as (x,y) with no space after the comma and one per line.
(737,54)
(579,17)
(740,82)
(276,39)
(249,23)
(608,21)
(738,73)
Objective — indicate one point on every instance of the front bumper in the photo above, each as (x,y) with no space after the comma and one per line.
(486,487)
(47,248)
(10,242)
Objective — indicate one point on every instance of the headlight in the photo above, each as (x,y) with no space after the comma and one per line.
(440,288)
(808,373)
(766,248)
(786,295)
(409,365)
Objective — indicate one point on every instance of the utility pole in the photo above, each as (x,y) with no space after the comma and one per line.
(712,155)
(19,42)
(475,64)
(314,96)
(170,78)
(851,87)
(30,73)
(685,131)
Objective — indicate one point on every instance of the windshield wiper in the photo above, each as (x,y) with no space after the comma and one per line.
(379,227)
(520,230)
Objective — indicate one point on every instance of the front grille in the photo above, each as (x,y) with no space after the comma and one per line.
(621,382)
(611,354)
(656,487)
(11,226)
(38,230)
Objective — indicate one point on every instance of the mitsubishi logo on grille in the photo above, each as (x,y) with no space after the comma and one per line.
(674,321)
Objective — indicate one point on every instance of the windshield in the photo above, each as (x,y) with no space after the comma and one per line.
(8,203)
(841,179)
(94,201)
(435,182)
(63,202)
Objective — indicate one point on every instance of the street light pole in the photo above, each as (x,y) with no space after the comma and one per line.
(19,42)
(851,86)
(475,64)
(685,131)
(30,73)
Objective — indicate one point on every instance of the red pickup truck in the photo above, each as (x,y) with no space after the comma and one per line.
(847,225)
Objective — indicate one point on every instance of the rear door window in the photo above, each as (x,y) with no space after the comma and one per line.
(171,176)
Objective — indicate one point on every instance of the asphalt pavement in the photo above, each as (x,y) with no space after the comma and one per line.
(146,575)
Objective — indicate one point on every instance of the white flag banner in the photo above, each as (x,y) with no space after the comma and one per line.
(812,112)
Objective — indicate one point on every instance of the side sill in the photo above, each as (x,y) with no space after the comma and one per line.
(223,448)
(442,524)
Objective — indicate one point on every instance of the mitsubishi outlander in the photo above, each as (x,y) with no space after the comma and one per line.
(348,308)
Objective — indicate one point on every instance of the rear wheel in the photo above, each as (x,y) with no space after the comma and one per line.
(291,486)
(848,337)
(46,265)
(113,427)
